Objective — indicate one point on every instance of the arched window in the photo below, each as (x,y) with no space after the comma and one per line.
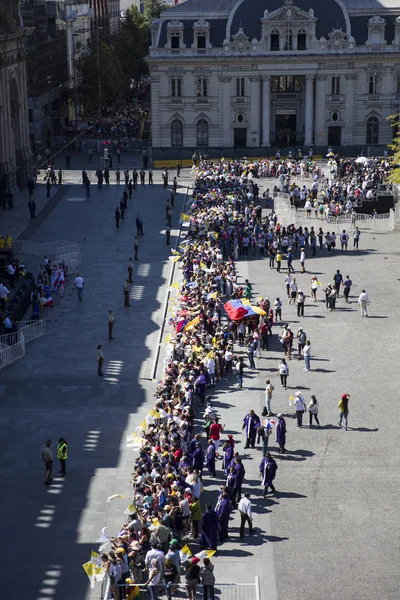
(372,130)
(301,40)
(202,133)
(285,83)
(176,133)
(275,40)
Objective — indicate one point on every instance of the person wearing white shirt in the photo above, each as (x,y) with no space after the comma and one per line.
(246,515)
(154,553)
(79,284)
(11,274)
(293,291)
(302,260)
(363,301)
(3,295)
(288,281)
(211,371)
(300,405)
(307,355)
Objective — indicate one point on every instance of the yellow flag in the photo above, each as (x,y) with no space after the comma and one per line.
(186,550)
(89,567)
(174,258)
(203,265)
(167,339)
(191,324)
(175,252)
(318,283)
(176,286)
(245,301)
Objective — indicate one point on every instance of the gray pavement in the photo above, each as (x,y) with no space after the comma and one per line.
(329,532)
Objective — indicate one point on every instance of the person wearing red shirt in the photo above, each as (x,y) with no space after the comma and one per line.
(215,432)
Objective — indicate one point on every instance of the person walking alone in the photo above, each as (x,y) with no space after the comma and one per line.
(268,468)
(307,355)
(313,408)
(62,455)
(139,225)
(246,515)
(126,290)
(47,458)
(168,234)
(117,216)
(343,407)
(269,388)
(111,322)
(280,434)
(347,283)
(32,208)
(363,301)
(79,284)
(283,371)
(100,360)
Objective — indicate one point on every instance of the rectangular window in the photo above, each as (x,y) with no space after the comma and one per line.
(201,87)
(176,87)
(201,40)
(372,84)
(274,42)
(301,41)
(240,86)
(30,115)
(175,40)
(335,86)
(398,85)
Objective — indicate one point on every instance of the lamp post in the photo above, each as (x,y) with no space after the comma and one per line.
(98,67)
(75,35)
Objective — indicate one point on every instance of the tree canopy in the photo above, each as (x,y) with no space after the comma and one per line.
(394,176)
(121,59)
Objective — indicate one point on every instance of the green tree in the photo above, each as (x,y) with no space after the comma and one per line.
(394,176)
(112,79)
(152,10)
(131,44)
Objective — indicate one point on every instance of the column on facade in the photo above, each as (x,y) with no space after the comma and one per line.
(9,164)
(254,111)
(160,135)
(320,112)
(309,111)
(348,133)
(266,110)
(226,111)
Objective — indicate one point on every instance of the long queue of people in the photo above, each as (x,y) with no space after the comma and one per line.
(169,519)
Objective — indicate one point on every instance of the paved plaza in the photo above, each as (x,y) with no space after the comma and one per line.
(331,530)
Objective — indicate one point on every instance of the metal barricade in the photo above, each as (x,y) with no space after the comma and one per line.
(14,351)
(32,329)
(224,591)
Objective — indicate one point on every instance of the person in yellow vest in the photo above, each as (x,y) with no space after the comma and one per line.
(62,453)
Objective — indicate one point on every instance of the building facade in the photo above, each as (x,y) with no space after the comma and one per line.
(275,73)
(47,66)
(15,155)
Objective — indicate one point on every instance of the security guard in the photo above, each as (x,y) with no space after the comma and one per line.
(62,453)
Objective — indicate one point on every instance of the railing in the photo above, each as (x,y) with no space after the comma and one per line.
(12,345)
(224,591)
(14,351)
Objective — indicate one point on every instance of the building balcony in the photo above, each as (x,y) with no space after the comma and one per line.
(240,100)
(201,100)
(374,97)
(338,98)
(176,99)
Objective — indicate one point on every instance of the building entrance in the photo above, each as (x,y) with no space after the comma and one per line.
(285,128)
(240,137)
(334,136)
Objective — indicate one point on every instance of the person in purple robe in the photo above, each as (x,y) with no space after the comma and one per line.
(229,449)
(210,527)
(251,422)
(240,473)
(210,458)
(198,458)
(268,468)
(280,433)
(193,442)
(201,384)
(232,485)
(223,510)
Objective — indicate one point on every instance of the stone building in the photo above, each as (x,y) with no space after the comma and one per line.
(15,155)
(275,73)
